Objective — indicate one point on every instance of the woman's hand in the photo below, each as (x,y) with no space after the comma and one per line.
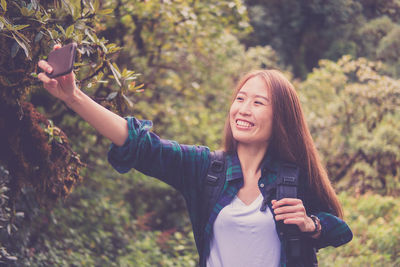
(292,211)
(63,87)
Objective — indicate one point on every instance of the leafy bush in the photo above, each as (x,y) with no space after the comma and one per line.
(375,222)
(352,110)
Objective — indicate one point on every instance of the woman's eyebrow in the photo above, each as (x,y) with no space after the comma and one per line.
(263,97)
(256,96)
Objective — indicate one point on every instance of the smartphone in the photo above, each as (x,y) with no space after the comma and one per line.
(62,60)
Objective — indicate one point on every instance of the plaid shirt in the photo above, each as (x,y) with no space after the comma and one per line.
(184,167)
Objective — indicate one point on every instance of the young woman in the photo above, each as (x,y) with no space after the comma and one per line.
(265,127)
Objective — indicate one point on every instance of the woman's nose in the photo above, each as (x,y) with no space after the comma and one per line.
(245,109)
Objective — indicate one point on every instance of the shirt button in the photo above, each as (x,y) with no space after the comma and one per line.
(262,185)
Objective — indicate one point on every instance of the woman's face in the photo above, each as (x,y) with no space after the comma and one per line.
(251,114)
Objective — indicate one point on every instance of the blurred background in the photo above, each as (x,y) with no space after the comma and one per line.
(175,62)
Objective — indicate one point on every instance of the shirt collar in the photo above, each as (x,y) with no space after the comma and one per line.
(234,170)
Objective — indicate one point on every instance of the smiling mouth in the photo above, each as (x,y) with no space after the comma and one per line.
(244,124)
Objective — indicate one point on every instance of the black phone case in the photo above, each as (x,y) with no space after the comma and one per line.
(62,60)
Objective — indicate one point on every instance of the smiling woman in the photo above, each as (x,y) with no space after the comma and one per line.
(251,114)
(265,127)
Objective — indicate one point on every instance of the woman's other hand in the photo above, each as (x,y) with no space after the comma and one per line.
(63,87)
(292,211)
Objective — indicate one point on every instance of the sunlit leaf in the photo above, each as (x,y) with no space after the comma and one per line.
(130,103)
(105,11)
(20,27)
(96,5)
(115,72)
(69,31)
(23,46)
(61,29)
(38,37)
(11,258)
(111,96)
(4,5)
(14,49)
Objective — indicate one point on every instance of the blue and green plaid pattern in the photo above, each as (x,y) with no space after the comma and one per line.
(185,167)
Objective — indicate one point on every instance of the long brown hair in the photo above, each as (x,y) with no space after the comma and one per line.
(291,139)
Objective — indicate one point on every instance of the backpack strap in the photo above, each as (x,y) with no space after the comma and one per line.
(214,182)
(213,185)
(287,183)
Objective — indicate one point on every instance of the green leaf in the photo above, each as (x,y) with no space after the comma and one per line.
(38,37)
(5,23)
(116,73)
(58,139)
(4,5)
(69,31)
(61,29)
(11,258)
(26,12)
(20,27)
(14,49)
(111,96)
(96,5)
(128,100)
(93,37)
(23,46)
(105,11)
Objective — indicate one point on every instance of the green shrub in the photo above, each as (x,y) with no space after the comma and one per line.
(375,222)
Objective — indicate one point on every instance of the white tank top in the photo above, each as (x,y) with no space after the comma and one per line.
(244,236)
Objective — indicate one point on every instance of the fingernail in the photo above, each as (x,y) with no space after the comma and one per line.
(49,69)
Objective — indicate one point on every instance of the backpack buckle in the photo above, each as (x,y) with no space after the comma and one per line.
(289,180)
(217,166)
(211,179)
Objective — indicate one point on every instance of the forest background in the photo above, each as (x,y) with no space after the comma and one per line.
(175,63)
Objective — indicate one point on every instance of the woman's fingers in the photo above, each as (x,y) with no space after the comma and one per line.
(289,209)
(48,83)
(292,211)
(285,216)
(44,78)
(45,66)
(286,201)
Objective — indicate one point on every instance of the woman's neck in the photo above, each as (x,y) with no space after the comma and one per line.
(250,157)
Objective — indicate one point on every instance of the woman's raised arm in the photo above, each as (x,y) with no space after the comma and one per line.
(106,122)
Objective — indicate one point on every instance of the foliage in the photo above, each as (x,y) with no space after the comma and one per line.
(7,217)
(190,57)
(35,152)
(375,222)
(41,163)
(303,32)
(175,45)
(181,49)
(353,112)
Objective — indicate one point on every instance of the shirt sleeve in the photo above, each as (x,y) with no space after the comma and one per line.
(180,166)
(334,231)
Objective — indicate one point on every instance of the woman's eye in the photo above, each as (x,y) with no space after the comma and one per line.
(259,103)
(239,98)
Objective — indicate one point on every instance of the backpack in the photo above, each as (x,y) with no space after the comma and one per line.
(286,187)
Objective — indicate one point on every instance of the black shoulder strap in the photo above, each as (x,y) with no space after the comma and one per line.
(214,182)
(287,183)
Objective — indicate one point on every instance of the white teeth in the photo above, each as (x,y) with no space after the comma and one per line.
(243,123)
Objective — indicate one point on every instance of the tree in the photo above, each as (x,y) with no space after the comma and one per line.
(352,108)
(35,154)
(303,32)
